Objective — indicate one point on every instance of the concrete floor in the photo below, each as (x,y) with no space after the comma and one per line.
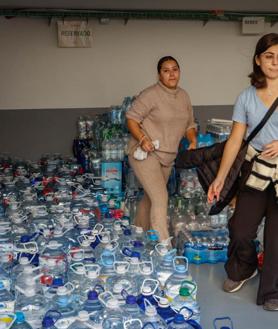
(240,306)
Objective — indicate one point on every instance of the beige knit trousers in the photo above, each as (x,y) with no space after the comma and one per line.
(152,209)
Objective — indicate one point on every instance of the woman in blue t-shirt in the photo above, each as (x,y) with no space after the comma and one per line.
(258,194)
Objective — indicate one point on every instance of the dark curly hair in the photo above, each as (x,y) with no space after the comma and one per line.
(257,77)
(165,59)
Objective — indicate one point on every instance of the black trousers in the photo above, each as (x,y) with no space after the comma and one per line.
(251,207)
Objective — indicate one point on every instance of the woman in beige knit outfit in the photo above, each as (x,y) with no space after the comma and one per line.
(161,112)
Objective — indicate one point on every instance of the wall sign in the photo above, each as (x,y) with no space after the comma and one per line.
(74,34)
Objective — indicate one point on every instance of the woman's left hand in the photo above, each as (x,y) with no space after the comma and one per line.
(270,150)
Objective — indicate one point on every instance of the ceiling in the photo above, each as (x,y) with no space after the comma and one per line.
(226,5)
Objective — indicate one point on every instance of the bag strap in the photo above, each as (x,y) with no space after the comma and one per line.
(263,122)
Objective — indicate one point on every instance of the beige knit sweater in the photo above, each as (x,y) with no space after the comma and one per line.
(164,114)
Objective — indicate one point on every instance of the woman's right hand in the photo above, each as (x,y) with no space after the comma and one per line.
(215,189)
(147,145)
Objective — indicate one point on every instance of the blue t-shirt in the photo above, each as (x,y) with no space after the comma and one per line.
(249,109)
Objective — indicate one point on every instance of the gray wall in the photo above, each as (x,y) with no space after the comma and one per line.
(30,133)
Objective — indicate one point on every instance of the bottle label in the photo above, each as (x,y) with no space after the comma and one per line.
(7,307)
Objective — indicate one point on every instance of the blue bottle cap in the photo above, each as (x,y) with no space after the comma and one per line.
(47,322)
(25,239)
(20,317)
(136,254)
(131,300)
(138,244)
(153,237)
(127,231)
(103,208)
(92,295)
(57,282)
(179,319)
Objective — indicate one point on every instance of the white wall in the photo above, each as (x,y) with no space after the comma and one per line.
(215,60)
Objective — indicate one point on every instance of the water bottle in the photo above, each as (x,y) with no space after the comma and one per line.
(113,314)
(165,269)
(7,301)
(139,247)
(107,266)
(179,322)
(197,252)
(162,250)
(53,260)
(148,289)
(152,319)
(33,304)
(29,279)
(105,150)
(20,322)
(51,290)
(104,243)
(131,310)
(121,281)
(117,231)
(5,279)
(94,281)
(75,255)
(28,248)
(94,307)
(134,266)
(65,303)
(223,323)
(6,247)
(173,283)
(146,272)
(165,310)
(187,300)
(151,240)
(82,321)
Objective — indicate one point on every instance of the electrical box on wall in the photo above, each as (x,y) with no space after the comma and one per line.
(252,25)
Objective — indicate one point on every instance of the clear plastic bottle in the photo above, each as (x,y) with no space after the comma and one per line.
(94,307)
(5,279)
(6,299)
(113,314)
(152,318)
(164,309)
(20,322)
(164,269)
(82,321)
(152,239)
(33,304)
(53,260)
(131,310)
(173,283)
(187,300)
(121,281)
(148,290)
(29,277)
(64,303)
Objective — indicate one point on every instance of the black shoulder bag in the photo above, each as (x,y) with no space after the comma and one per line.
(207,161)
